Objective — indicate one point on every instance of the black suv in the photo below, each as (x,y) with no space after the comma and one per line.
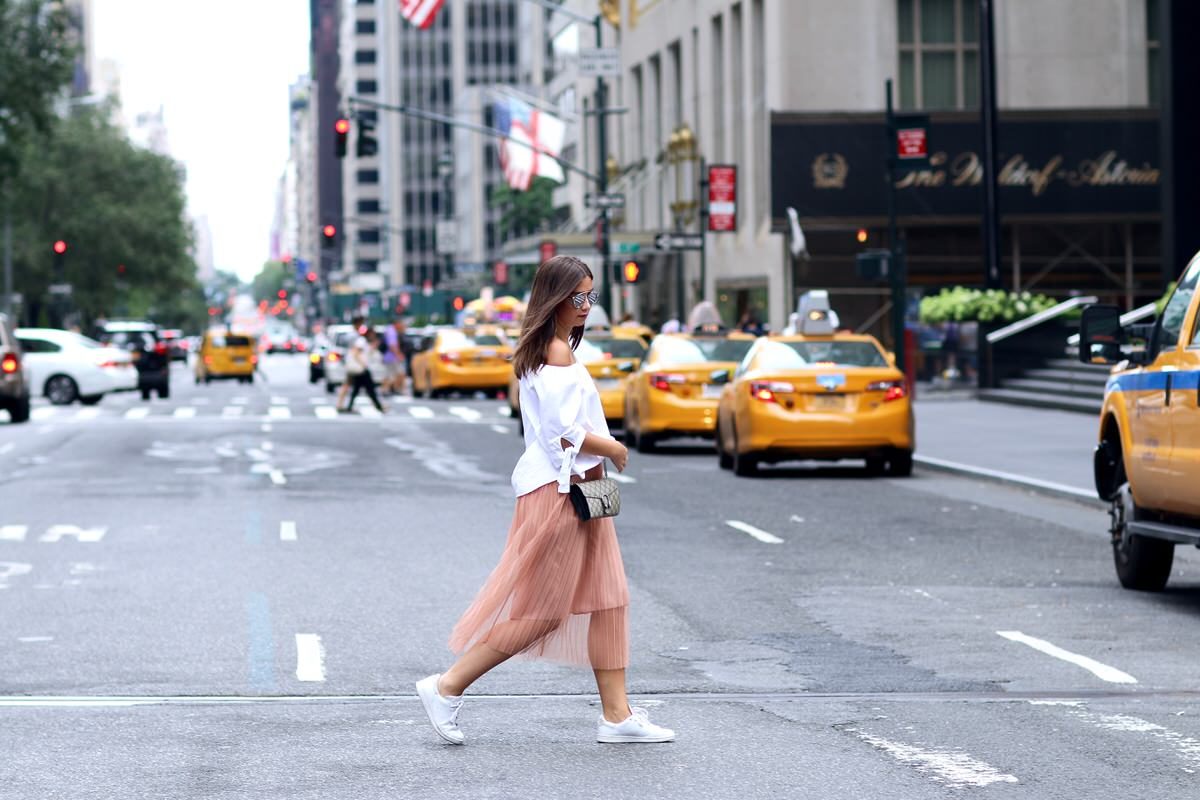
(151,355)
(14,385)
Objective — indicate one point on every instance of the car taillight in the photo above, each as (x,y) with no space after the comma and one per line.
(161,348)
(893,390)
(334,357)
(9,364)
(663,380)
(449,358)
(107,364)
(253,359)
(768,391)
(314,358)
(208,360)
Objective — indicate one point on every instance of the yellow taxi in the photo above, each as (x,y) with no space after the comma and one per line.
(824,397)
(477,359)
(225,355)
(1147,462)
(610,356)
(672,392)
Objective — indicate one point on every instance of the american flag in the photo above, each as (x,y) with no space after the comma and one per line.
(531,139)
(420,12)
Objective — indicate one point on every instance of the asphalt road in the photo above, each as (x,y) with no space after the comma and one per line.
(230,594)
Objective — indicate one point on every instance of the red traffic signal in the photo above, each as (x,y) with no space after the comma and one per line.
(631,271)
(282,294)
(459,304)
(341,130)
(60,247)
(311,277)
(329,231)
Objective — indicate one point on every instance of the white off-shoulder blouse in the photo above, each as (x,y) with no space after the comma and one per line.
(557,403)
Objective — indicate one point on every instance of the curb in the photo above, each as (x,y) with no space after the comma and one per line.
(1059,490)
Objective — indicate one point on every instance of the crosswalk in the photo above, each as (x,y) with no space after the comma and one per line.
(243,409)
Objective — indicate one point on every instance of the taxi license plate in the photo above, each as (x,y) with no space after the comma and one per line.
(239,360)
(711,390)
(607,384)
(486,354)
(828,402)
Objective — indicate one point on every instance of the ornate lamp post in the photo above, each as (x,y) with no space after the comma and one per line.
(683,154)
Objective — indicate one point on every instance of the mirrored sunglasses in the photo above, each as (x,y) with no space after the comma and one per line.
(592,298)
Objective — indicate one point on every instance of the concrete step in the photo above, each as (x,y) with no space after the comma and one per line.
(1077,366)
(1068,376)
(1040,400)
(1056,388)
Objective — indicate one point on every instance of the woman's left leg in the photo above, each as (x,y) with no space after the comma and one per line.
(613,700)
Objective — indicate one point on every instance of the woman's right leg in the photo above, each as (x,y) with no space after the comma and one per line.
(515,635)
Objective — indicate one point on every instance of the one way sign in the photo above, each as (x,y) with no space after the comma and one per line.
(679,241)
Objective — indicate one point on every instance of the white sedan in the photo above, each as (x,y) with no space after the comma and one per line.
(66,367)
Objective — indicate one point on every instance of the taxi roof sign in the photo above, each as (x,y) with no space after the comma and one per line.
(815,315)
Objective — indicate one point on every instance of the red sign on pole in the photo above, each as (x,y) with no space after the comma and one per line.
(722,198)
(911,143)
(500,272)
(548,250)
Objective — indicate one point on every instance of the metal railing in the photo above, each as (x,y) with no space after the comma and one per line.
(1037,319)
(1128,318)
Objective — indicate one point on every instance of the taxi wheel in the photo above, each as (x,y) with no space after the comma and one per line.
(645,443)
(744,465)
(1142,563)
(900,463)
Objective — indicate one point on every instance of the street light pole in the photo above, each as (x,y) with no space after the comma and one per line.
(446,170)
(987,108)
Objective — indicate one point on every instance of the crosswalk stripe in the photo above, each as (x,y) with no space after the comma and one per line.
(185,412)
(87,413)
(464,413)
(369,411)
(280,412)
(421,412)
(13,533)
(43,413)
(326,412)
(501,429)
(137,413)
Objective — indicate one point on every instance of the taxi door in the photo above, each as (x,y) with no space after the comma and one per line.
(1184,411)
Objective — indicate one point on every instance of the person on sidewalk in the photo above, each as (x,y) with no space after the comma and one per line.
(363,356)
(559,592)
(393,358)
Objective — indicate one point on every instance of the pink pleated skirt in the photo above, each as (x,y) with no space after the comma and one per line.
(559,592)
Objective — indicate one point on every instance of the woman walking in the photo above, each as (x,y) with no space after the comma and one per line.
(364,354)
(559,591)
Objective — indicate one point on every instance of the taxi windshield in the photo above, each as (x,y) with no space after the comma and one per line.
(801,355)
(453,340)
(672,350)
(229,341)
(617,348)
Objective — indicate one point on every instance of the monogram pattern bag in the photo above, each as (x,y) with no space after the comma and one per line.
(596,499)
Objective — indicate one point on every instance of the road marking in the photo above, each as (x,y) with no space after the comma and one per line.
(326,412)
(501,429)
(310,657)
(262,646)
(137,413)
(185,412)
(34,639)
(421,412)
(42,413)
(277,477)
(1101,671)
(266,427)
(1007,477)
(505,411)
(619,478)
(757,533)
(9,569)
(287,530)
(86,414)
(464,413)
(55,533)
(280,412)
(370,411)
(232,411)
(944,766)
(13,533)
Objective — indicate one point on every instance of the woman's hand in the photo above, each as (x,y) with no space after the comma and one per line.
(619,455)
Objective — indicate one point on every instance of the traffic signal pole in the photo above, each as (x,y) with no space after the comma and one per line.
(896,266)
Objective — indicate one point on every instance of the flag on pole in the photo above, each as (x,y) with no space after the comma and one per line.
(420,12)
(532,138)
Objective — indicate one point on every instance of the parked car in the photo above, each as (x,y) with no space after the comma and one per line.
(150,355)
(14,378)
(1147,462)
(66,367)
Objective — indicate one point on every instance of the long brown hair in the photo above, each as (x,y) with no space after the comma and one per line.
(554,281)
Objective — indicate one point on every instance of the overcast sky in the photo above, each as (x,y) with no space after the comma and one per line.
(221,70)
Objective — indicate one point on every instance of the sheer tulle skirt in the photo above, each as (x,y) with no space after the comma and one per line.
(558,593)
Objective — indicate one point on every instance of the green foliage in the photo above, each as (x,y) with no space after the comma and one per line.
(1161,302)
(36,63)
(270,280)
(121,211)
(961,304)
(524,212)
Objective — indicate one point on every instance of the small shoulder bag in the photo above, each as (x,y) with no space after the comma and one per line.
(596,499)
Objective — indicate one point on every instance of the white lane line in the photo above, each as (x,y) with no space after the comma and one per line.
(266,447)
(137,413)
(464,413)
(35,639)
(619,478)
(1101,671)
(757,533)
(310,657)
(421,412)
(505,411)
(326,412)
(287,530)
(185,412)
(232,411)
(277,477)
(43,413)
(501,429)
(1007,477)
(944,766)
(280,412)
(13,533)
(86,413)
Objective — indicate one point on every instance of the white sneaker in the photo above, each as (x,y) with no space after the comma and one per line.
(637,728)
(442,711)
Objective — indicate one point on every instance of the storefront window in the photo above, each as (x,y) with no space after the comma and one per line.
(939,53)
(736,303)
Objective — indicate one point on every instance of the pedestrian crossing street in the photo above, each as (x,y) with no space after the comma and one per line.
(274,409)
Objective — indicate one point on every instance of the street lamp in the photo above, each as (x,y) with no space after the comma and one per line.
(445,166)
(683,155)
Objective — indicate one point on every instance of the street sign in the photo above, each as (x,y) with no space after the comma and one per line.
(910,143)
(600,62)
(593,200)
(447,237)
(547,250)
(628,247)
(60,288)
(722,198)
(679,241)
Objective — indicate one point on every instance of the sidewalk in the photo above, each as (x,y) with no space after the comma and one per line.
(1043,449)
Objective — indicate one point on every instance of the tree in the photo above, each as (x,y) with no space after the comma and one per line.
(524,212)
(270,280)
(36,64)
(119,208)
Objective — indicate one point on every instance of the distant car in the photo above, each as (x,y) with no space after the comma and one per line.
(66,367)
(225,355)
(319,351)
(14,378)
(150,355)
(342,337)
(474,360)
(177,345)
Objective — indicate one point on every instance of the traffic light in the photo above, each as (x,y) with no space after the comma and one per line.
(341,130)
(282,294)
(366,145)
(60,254)
(459,304)
(631,271)
(328,234)
(311,277)
(861,235)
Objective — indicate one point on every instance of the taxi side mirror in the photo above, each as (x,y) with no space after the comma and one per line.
(719,376)
(626,366)
(1101,335)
